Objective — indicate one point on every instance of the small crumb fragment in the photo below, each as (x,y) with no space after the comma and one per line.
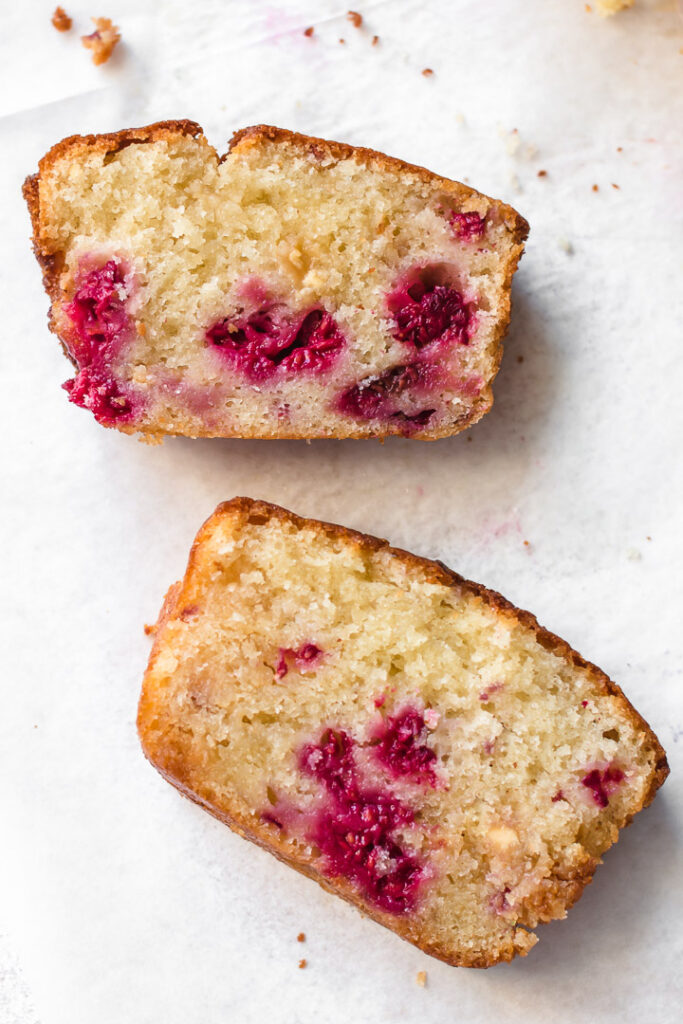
(648,538)
(469,437)
(302,964)
(633,555)
(596,188)
(421,978)
(431,717)
(459,118)
(61,20)
(520,359)
(615,186)
(308,32)
(427,72)
(566,245)
(342,41)
(620,149)
(102,41)
(589,9)
(542,174)
(527,544)
(375,40)
(355,18)
(148,629)
(301,937)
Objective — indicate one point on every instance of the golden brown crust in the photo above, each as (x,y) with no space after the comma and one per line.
(560,891)
(51,261)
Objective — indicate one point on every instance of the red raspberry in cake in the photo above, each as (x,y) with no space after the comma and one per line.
(602,782)
(356,833)
(468,226)
(304,657)
(424,314)
(380,397)
(101,328)
(269,340)
(402,748)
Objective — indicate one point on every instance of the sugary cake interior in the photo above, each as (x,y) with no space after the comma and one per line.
(398,736)
(279,292)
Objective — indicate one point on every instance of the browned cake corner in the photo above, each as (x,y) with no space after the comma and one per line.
(407,738)
(294,287)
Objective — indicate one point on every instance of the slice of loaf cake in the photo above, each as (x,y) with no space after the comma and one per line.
(293,288)
(408,739)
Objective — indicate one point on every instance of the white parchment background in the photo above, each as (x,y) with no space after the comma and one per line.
(119,901)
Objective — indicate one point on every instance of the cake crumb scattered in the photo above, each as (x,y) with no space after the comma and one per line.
(148,629)
(61,20)
(301,937)
(375,40)
(589,9)
(302,964)
(308,32)
(527,544)
(469,437)
(596,188)
(542,174)
(355,18)
(615,186)
(566,245)
(620,149)
(520,359)
(633,555)
(102,41)
(421,978)
(427,72)
(342,41)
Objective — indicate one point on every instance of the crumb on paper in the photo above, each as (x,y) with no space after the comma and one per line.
(302,964)
(421,978)
(375,40)
(301,937)
(308,32)
(542,174)
(148,629)
(520,359)
(342,41)
(615,186)
(648,538)
(355,18)
(514,145)
(527,544)
(469,437)
(620,149)
(427,72)
(596,188)
(515,182)
(102,41)
(608,7)
(589,9)
(565,245)
(61,20)
(633,555)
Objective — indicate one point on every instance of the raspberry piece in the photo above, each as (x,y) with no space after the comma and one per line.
(402,748)
(424,315)
(356,833)
(304,657)
(602,783)
(266,341)
(377,396)
(101,326)
(468,226)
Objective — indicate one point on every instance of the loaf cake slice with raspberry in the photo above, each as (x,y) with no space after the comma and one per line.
(408,739)
(292,288)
